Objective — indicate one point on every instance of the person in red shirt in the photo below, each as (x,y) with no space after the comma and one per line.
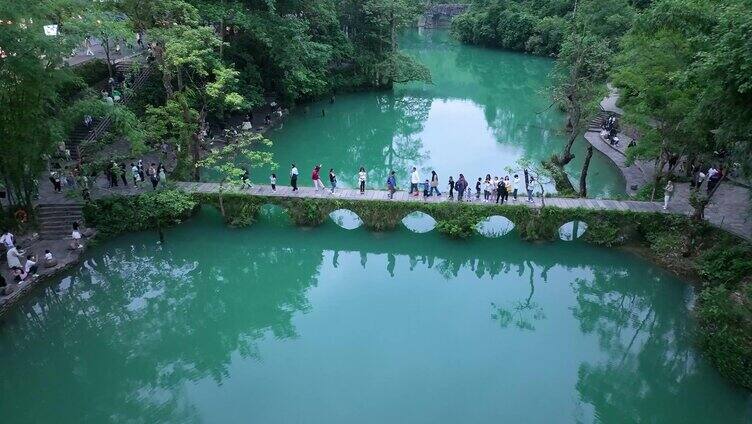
(315,176)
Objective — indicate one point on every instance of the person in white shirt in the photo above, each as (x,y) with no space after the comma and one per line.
(515,186)
(294,177)
(7,239)
(414,180)
(362,180)
(76,236)
(14,256)
(247,125)
(30,267)
(273,181)
(47,255)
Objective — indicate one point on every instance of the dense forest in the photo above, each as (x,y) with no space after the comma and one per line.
(683,69)
(213,58)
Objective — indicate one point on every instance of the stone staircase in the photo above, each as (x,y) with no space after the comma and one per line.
(597,122)
(100,126)
(56,220)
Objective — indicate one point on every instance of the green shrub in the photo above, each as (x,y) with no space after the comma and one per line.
(725,331)
(92,72)
(726,265)
(155,209)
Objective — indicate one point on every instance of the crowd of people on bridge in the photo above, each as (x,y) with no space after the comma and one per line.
(487,189)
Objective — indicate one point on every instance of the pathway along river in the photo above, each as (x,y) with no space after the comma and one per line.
(279,324)
(485,110)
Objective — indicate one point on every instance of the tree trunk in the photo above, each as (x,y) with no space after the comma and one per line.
(221,202)
(700,204)
(393,64)
(583,175)
(566,154)
(106,47)
(658,176)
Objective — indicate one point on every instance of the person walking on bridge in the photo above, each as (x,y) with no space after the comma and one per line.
(332,179)
(461,186)
(294,177)
(316,178)
(414,181)
(435,183)
(391,184)
(668,193)
(362,180)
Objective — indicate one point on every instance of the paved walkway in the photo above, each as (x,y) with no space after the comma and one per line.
(730,207)
(80,53)
(736,223)
(354,194)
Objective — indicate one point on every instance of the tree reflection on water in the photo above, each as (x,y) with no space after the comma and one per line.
(168,316)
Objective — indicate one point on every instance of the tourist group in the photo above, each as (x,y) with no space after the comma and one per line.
(489,190)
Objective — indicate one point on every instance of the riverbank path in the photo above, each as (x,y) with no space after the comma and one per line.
(370,195)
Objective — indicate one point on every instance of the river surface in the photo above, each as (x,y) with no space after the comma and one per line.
(485,110)
(279,324)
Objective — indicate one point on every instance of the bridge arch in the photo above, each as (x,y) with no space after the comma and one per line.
(494,226)
(345,218)
(419,222)
(572,230)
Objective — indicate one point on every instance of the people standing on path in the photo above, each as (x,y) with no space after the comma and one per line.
(136,174)
(487,188)
(713,179)
(245,179)
(478,185)
(426,190)
(316,177)
(273,181)
(451,187)
(332,179)
(530,190)
(30,267)
(141,173)
(7,239)
(153,177)
(56,184)
(123,174)
(362,180)
(14,256)
(508,187)
(435,183)
(515,186)
(501,192)
(391,184)
(461,186)
(294,177)
(162,173)
(114,174)
(414,180)
(668,193)
(88,45)
(76,236)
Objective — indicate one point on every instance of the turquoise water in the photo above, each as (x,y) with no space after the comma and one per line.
(278,324)
(485,110)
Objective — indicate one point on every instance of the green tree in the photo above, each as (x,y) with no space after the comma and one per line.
(110,27)
(232,161)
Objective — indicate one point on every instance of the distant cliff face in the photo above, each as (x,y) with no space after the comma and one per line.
(440,15)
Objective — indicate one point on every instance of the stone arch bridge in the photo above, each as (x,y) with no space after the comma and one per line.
(437,15)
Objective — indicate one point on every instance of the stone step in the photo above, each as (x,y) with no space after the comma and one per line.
(47,213)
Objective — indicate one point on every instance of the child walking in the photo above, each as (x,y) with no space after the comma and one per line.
(273,181)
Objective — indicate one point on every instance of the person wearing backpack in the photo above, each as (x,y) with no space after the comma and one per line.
(391,184)
(461,185)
